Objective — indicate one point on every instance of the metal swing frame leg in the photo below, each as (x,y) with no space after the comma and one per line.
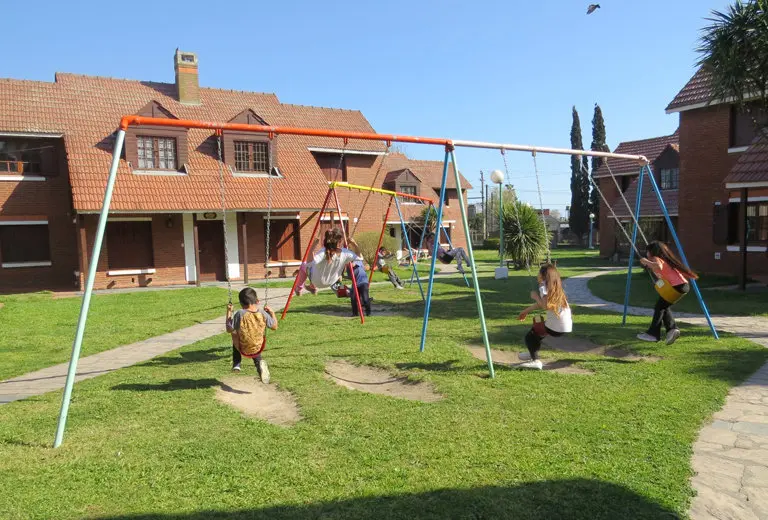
(306,253)
(421,243)
(632,246)
(381,239)
(451,156)
(680,250)
(350,265)
(86,302)
(408,245)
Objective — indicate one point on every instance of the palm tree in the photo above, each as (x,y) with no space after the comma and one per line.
(526,238)
(734,49)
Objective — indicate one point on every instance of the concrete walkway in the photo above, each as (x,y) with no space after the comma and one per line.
(730,457)
(53,378)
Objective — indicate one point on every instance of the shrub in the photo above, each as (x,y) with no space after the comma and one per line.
(368,241)
(525,237)
(491,244)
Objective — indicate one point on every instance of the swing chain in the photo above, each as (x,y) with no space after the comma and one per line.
(222,191)
(520,234)
(269,222)
(541,206)
(373,183)
(626,202)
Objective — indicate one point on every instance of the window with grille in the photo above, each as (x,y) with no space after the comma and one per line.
(757,222)
(408,190)
(670,178)
(24,244)
(252,156)
(156,153)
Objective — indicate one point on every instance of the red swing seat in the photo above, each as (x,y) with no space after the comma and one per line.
(252,355)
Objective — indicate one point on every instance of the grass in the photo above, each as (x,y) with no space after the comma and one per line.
(38,330)
(151,442)
(612,287)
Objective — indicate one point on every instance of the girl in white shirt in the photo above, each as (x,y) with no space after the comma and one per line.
(327,265)
(550,297)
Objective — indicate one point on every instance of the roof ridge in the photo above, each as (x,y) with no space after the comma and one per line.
(152,82)
(323,108)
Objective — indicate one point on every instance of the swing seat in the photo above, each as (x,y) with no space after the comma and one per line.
(539,327)
(342,292)
(252,355)
(667,292)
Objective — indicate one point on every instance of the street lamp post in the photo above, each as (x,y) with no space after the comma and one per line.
(497,177)
(591,225)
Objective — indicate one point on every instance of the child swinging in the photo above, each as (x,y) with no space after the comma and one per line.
(550,297)
(673,279)
(248,328)
(328,264)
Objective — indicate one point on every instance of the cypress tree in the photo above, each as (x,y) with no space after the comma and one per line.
(599,145)
(579,216)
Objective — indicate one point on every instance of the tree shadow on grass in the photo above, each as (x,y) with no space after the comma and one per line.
(575,499)
(191,356)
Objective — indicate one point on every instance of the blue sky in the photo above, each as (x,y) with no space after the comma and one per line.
(483,70)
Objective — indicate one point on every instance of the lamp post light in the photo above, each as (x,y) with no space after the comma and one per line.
(497,177)
(591,224)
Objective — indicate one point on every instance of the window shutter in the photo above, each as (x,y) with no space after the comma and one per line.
(733,223)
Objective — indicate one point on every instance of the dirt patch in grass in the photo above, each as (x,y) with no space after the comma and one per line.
(579,345)
(377,381)
(511,359)
(255,399)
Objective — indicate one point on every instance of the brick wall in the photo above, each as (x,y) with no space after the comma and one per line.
(51,200)
(608,231)
(704,164)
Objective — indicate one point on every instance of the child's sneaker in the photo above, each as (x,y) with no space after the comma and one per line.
(312,289)
(536,364)
(647,337)
(524,356)
(672,335)
(399,287)
(264,371)
(236,368)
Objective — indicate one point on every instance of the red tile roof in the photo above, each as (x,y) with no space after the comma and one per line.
(650,148)
(87,109)
(697,90)
(649,204)
(752,165)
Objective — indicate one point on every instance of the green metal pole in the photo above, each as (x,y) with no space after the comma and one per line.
(85,305)
(476,285)
(501,229)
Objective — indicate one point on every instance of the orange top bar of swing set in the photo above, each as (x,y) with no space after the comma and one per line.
(449,144)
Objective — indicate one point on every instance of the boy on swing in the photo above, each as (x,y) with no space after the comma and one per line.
(447,256)
(248,326)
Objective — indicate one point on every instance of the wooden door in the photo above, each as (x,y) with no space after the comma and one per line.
(284,241)
(211,241)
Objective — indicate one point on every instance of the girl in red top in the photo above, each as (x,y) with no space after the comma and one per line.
(665,265)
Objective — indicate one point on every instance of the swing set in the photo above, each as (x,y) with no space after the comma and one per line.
(448,145)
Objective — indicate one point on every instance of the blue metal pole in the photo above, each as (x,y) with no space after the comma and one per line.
(632,245)
(478,296)
(408,245)
(421,240)
(435,245)
(680,250)
(86,303)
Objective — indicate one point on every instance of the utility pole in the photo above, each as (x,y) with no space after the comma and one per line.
(487,210)
(482,196)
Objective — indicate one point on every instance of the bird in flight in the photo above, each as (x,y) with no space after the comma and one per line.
(592,8)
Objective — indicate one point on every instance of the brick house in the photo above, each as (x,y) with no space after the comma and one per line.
(165,224)
(723,161)
(664,154)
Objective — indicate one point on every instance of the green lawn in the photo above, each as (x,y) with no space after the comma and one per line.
(37,331)
(612,287)
(151,442)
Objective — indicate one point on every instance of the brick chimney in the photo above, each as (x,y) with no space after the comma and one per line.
(187,83)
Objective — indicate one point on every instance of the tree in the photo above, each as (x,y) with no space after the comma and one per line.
(579,216)
(598,145)
(525,237)
(733,48)
(368,241)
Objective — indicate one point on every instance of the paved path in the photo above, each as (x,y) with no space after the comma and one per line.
(730,457)
(53,378)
